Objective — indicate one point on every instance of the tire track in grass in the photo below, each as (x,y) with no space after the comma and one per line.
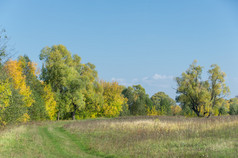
(63,144)
(79,141)
(53,142)
(48,140)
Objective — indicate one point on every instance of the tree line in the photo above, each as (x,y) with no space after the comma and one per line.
(65,88)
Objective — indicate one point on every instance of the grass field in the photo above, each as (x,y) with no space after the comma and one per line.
(124,137)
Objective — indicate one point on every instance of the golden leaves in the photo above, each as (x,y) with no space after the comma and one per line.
(14,70)
(50,103)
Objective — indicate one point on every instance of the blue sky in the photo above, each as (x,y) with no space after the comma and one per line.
(132,41)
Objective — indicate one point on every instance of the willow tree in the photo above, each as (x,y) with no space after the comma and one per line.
(203,97)
(218,89)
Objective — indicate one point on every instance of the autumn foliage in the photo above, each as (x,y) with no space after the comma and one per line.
(68,89)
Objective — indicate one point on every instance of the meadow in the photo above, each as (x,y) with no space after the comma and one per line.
(158,136)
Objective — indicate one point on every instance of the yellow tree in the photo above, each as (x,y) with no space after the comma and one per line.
(14,70)
(93,92)
(152,111)
(113,99)
(175,109)
(50,103)
(38,109)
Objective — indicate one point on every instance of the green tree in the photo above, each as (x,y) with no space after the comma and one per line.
(73,92)
(16,111)
(72,81)
(218,88)
(60,71)
(38,110)
(138,100)
(162,103)
(203,97)
(93,92)
(15,72)
(233,106)
(5,95)
(13,108)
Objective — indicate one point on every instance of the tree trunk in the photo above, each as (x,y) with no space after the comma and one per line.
(58,116)
(196,111)
(209,114)
(73,113)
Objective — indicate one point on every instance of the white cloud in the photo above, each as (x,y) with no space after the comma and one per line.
(156,80)
(161,77)
(152,84)
(145,78)
(118,79)
(121,81)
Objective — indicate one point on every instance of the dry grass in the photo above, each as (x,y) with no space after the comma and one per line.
(124,137)
(160,136)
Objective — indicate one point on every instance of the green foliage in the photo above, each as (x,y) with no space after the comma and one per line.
(125,110)
(233,106)
(218,88)
(15,72)
(58,72)
(222,110)
(203,97)
(5,95)
(162,103)
(73,90)
(16,111)
(93,92)
(187,111)
(74,83)
(138,100)
(56,67)
(38,110)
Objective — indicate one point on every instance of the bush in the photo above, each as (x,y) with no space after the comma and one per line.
(233,109)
